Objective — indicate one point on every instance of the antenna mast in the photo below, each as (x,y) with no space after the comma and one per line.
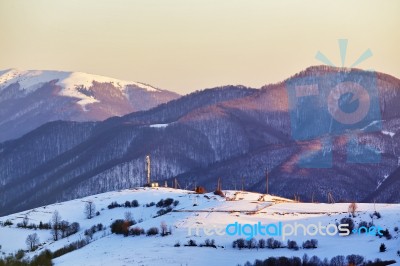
(176,184)
(330,198)
(148,168)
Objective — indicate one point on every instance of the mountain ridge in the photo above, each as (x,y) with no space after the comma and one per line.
(234,133)
(31,98)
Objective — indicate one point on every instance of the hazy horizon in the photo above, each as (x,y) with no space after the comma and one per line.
(184,46)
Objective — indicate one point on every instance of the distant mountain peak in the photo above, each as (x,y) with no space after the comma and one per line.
(324,69)
(29,98)
(30,80)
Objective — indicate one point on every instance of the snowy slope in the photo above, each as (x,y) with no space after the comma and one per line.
(30,80)
(30,98)
(211,212)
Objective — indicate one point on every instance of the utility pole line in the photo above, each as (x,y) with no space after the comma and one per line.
(266,176)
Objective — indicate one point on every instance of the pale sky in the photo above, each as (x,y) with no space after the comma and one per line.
(185,45)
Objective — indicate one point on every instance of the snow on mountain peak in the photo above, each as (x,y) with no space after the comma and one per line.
(30,80)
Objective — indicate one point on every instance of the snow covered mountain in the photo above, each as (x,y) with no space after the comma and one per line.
(31,98)
(192,219)
(233,133)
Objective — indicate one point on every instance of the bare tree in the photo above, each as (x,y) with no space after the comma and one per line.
(128,217)
(55,227)
(32,241)
(164,228)
(25,221)
(64,225)
(90,209)
(353,208)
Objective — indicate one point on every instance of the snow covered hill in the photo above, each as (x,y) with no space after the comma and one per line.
(191,211)
(30,98)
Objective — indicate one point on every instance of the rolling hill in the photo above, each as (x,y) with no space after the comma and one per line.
(195,217)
